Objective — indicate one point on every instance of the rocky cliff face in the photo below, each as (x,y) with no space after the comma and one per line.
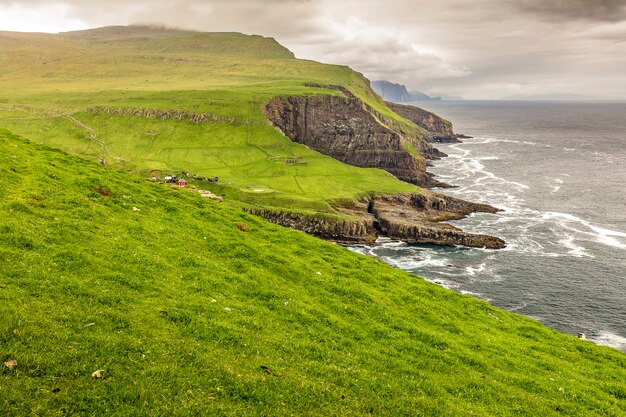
(439,130)
(348,130)
(360,230)
(414,218)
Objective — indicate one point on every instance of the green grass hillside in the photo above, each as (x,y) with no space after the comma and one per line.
(48,82)
(189,308)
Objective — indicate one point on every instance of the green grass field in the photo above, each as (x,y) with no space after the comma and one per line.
(190,307)
(163,291)
(47,83)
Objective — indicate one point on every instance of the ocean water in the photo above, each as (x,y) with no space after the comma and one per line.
(558,172)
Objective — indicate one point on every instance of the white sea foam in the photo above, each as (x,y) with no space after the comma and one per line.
(608,237)
(392,243)
(430,261)
(444,283)
(471,271)
(600,235)
(606,338)
(403,263)
(363,250)
(482,140)
(573,248)
(484,186)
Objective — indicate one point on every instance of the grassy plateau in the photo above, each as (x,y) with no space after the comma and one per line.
(123,297)
(48,82)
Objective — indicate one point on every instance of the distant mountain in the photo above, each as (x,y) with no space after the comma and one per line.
(398,93)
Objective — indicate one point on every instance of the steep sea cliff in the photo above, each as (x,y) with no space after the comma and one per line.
(349,130)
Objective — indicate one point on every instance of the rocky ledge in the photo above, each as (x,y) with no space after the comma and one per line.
(418,218)
(413,218)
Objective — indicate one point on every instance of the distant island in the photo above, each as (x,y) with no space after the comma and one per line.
(398,93)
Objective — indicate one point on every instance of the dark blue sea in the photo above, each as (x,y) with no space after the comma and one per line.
(558,170)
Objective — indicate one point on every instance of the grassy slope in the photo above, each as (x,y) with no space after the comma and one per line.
(181,309)
(225,74)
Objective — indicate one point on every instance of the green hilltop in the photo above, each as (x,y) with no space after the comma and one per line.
(228,76)
(189,307)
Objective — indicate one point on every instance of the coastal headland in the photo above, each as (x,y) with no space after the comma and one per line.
(124,295)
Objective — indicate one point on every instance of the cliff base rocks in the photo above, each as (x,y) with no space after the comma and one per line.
(418,218)
(413,218)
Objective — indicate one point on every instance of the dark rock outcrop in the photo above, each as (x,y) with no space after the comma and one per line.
(438,129)
(414,218)
(352,132)
(360,230)
(179,114)
(418,218)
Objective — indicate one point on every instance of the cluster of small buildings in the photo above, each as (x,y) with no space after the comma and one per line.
(181,182)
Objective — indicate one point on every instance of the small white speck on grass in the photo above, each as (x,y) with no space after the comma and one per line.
(214,300)
(226,309)
(136,209)
(11,364)
(90,324)
(286,303)
(561,389)
(98,374)
(318,273)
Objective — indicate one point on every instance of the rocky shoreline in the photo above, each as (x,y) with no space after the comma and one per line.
(413,218)
(351,131)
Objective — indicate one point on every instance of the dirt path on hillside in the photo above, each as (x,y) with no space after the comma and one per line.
(94,138)
(44,113)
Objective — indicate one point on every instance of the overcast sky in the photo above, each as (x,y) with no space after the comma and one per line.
(471,48)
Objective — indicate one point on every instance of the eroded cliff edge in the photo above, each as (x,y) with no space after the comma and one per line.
(352,132)
(349,130)
(413,218)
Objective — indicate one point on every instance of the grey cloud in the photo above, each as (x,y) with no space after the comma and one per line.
(473,48)
(248,16)
(557,10)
